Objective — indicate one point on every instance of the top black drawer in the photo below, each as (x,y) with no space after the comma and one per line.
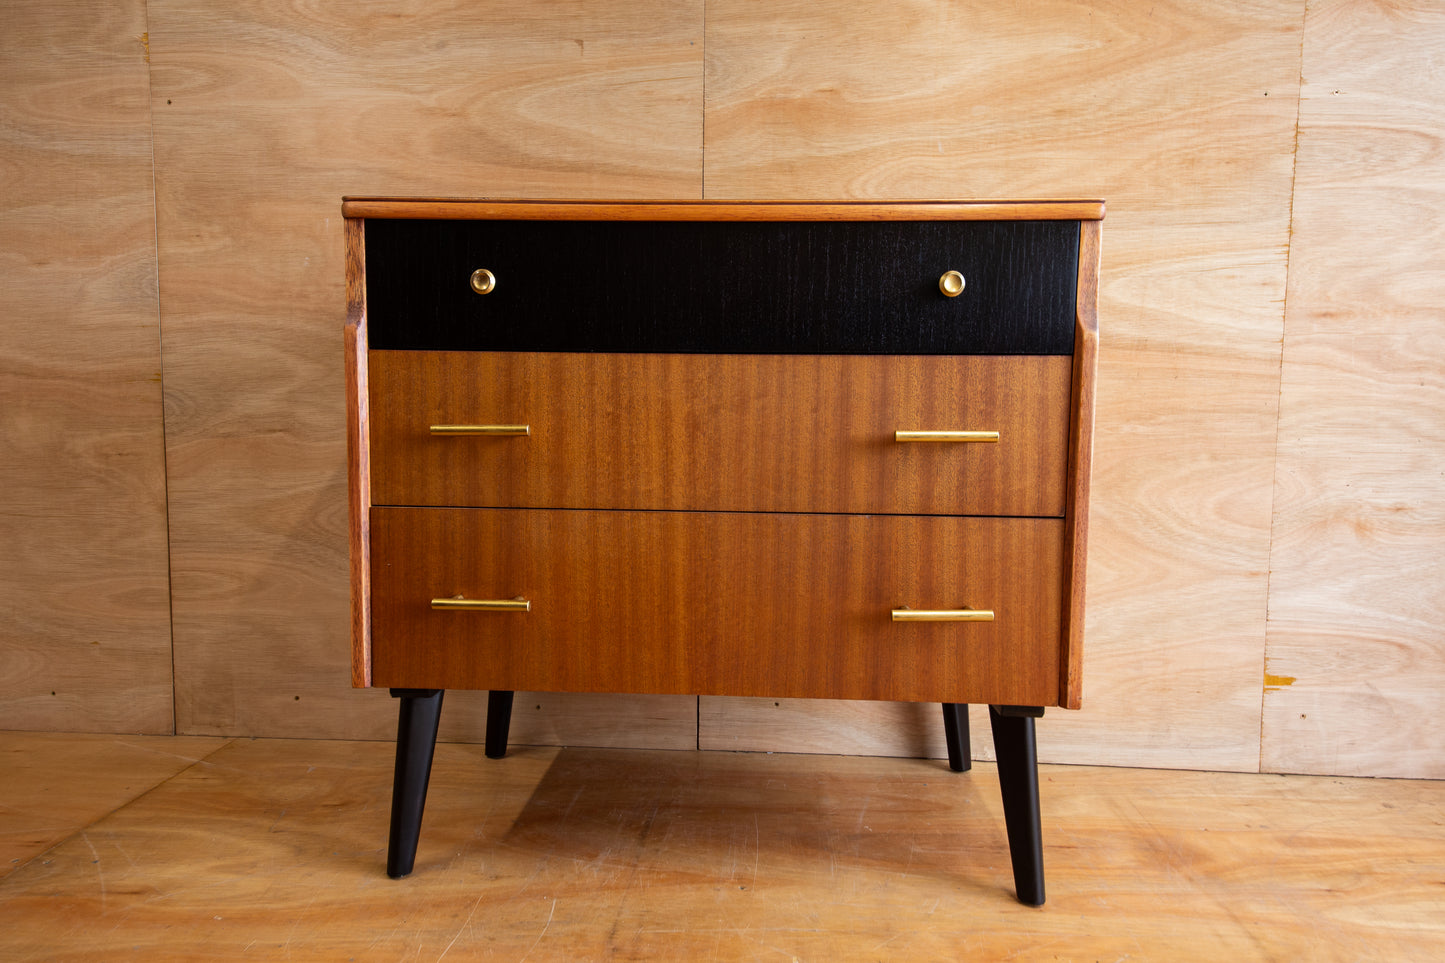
(837,287)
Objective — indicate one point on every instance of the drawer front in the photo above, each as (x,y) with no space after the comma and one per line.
(729,287)
(718,603)
(721,432)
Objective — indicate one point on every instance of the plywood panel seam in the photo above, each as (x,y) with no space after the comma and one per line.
(123,804)
(160,360)
(85,634)
(1279,380)
(1352,642)
(198,761)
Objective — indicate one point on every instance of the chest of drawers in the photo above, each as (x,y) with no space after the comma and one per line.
(805,450)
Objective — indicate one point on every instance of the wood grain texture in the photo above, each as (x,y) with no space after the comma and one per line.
(721,432)
(85,631)
(358,448)
(57,784)
(1081,465)
(550,718)
(1355,679)
(861,728)
(276,848)
(723,287)
(468,209)
(790,605)
(265,116)
(841,727)
(1183,117)
(587,719)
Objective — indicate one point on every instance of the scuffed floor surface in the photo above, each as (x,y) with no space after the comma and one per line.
(275,850)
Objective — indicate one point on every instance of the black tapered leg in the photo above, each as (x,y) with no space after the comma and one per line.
(1018,778)
(955,733)
(416,740)
(499,722)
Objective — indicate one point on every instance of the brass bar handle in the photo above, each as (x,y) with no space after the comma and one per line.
(483,605)
(491,431)
(943,615)
(908,435)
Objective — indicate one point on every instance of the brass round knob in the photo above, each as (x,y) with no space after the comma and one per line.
(483,281)
(951,284)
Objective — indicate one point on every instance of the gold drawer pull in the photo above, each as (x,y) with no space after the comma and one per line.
(943,615)
(483,605)
(493,431)
(483,281)
(951,284)
(945,436)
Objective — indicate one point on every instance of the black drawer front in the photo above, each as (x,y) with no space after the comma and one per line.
(723,287)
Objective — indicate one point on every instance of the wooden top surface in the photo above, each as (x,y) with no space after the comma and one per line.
(476,209)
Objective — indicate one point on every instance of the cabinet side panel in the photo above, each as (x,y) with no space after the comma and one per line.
(1081,452)
(358,453)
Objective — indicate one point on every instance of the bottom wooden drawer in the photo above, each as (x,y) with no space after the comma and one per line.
(757,604)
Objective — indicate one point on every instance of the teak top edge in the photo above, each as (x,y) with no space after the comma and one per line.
(463,209)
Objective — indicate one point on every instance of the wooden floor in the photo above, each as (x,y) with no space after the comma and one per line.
(188,848)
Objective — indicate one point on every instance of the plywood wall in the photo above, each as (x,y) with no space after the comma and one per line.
(84,615)
(265,115)
(1237,357)
(1356,643)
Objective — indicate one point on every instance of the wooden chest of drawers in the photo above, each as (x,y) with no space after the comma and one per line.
(805,450)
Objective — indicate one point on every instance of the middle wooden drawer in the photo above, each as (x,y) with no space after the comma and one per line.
(787,433)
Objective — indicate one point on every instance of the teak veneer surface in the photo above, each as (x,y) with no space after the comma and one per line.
(717,553)
(358,448)
(719,603)
(720,432)
(1081,461)
(465,209)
